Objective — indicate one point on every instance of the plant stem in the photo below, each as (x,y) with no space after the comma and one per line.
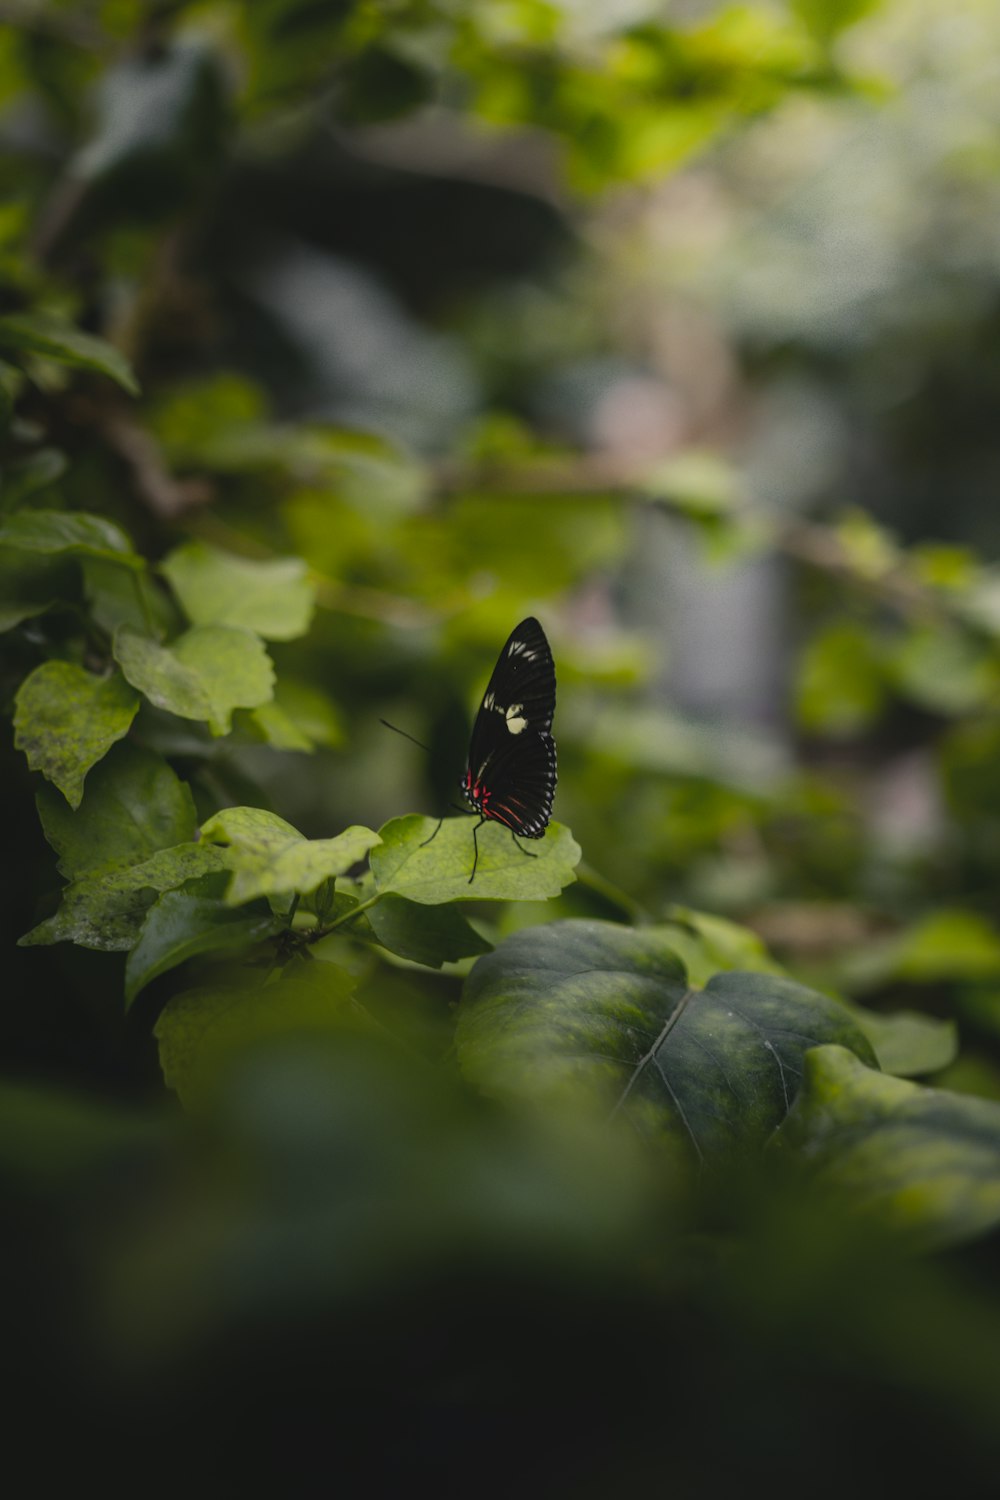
(348,916)
(594,881)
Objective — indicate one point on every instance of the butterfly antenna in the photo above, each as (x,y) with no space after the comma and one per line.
(406,736)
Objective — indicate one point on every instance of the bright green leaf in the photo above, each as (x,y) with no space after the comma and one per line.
(840,688)
(706,944)
(923,1161)
(275,599)
(948,945)
(907,1043)
(67,719)
(435,872)
(589,1009)
(277,729)
(946,669)
(206,674)
(269,857)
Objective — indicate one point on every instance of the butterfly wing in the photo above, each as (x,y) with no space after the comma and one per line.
(511,773)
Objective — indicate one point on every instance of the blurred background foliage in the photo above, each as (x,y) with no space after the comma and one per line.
(676,325)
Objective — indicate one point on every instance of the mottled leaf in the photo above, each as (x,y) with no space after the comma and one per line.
(269,857)
(437,872)
(133,805)
(106,908)
(67,719)
(205,674)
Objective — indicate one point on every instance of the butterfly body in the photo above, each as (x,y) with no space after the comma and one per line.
(510,777)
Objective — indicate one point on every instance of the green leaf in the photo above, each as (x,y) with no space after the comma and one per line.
(275,599)
(946,669)
(66,720)
(36,471)
(706,944)
(14,612)
(133,805)
(300,718)
(206,674)
(74,532)
(277,729)
(124,596)
(922,1161)
(234,667)
(185,923)
(907,1043)
(201,1028)
(840,689)
(947,945)
(432,937)
(269,857)
(35,333)
(436,872)
(589,1009)
(29,585)
(105,908)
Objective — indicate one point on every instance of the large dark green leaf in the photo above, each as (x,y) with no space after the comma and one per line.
(435,872)
(919,1160)
(600,1012)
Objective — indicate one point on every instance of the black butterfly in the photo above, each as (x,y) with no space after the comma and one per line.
(510,776)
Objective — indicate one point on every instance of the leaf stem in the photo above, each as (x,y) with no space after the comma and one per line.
(348,916)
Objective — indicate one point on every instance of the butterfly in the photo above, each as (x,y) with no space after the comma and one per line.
(510,775)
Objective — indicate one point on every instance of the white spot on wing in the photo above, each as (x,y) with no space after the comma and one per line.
(514,722)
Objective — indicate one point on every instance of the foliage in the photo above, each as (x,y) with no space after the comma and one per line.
(326,354)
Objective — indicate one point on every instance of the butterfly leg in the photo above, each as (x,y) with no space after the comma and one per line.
(475,845)
(528,853)
(434,834)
